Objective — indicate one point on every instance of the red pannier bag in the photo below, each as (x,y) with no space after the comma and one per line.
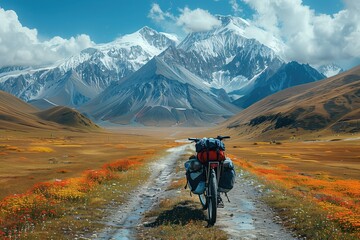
(211,155)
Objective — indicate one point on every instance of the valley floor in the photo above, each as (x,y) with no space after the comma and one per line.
(324,174)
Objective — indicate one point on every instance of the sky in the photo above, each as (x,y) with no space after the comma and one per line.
(43,31)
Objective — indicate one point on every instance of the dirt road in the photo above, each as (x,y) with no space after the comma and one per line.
(245,217)
(123,223)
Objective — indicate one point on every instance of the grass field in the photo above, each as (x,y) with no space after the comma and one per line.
(49,176)
(315,186)
(30,158)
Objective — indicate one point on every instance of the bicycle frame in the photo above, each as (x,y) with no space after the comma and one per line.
(217,166)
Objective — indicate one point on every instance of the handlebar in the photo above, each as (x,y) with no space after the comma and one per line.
(218,137)
(194,139)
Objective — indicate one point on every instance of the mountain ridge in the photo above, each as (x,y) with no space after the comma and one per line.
(159,90)
(95,68)
(223,65)
(329,105)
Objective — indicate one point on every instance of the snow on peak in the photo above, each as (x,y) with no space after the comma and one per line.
(135,49)
(330,70)
(235,24)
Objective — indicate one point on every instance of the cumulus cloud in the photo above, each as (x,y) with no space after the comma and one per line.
(159,15)
(310,37)
(20,45)
(196,20)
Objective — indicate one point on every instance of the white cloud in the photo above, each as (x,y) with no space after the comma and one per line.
(197,20)
(20,45)
(310,37)
(235,7)
(159,15)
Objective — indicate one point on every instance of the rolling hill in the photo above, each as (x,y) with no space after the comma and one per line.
(17,115)
(331,105)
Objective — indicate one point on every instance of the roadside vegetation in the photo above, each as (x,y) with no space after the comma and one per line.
(315,206)
(73,207)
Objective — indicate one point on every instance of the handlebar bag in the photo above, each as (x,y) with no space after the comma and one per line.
(195,176)
(227,177)
(209,144)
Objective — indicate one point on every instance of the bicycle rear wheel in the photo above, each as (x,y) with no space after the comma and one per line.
(212,198)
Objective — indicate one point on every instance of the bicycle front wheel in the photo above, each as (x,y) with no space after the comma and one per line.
(212,198)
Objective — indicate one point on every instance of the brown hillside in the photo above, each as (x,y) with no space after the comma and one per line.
(68,117)
(332,104)
(17,115)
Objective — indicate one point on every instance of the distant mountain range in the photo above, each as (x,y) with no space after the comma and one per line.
(330,105)
(150,78)
(80,78)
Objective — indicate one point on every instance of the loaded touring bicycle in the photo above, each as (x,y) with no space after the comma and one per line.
(210,173)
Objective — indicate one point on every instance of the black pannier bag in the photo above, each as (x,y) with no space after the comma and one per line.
(227,178)
(195,176)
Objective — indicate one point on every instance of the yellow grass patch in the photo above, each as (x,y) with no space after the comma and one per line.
(177,184)
(40,149)
(270,154)
(120,146)
(70,145)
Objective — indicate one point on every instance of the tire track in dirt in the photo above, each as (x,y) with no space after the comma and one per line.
(127,217)
(246,217)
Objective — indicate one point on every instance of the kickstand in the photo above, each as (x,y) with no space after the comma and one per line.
(227,197)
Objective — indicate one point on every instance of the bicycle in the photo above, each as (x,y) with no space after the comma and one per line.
(209,199)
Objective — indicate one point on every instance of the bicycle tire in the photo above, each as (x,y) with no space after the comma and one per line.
(212,198)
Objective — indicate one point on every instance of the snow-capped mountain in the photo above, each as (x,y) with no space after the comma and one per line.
(330,70)
(148,78)
(225,57)
(161,93)
(82,77)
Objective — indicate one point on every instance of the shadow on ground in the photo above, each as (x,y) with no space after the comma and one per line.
(181,214)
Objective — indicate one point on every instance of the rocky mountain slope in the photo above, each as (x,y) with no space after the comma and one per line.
(332,104)
(160,94)
(289,75)
(225,57)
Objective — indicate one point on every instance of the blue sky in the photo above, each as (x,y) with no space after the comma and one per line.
(104,20)
(311,31)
